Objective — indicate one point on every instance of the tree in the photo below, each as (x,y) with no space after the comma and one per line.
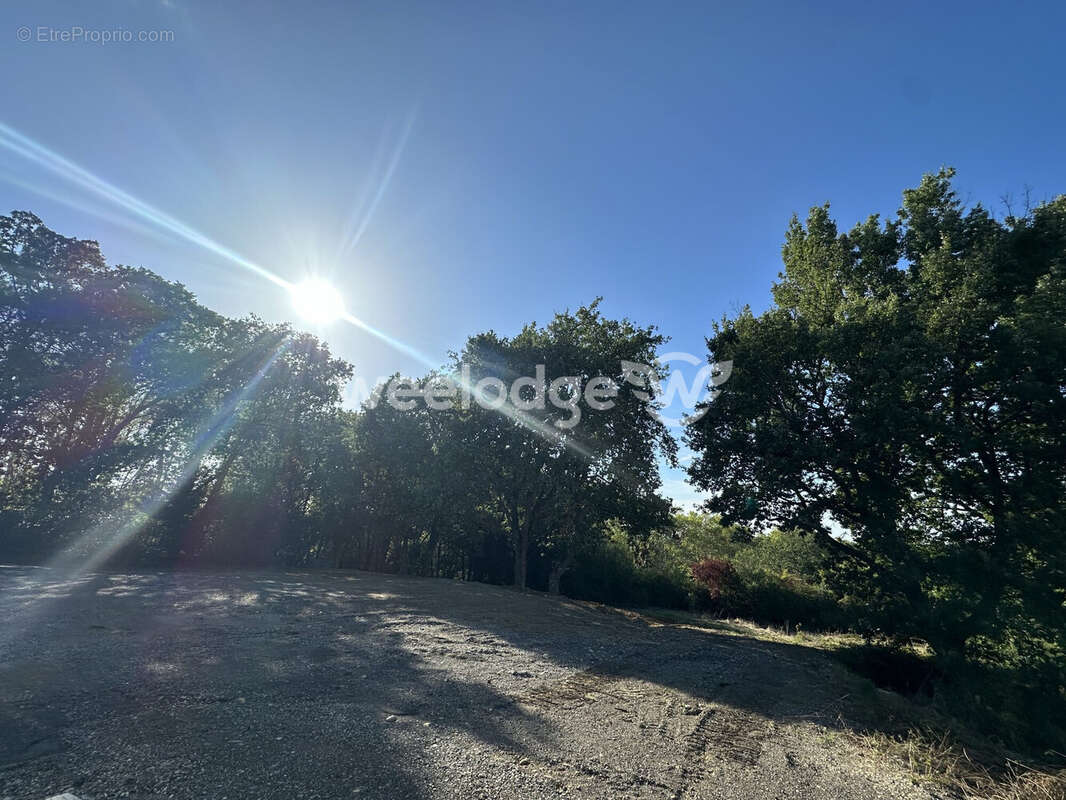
(557,472)
(104,367)
(904,400)
(128,407)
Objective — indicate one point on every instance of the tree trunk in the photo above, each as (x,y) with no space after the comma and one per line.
(554,579)
(559,569)
(521,559)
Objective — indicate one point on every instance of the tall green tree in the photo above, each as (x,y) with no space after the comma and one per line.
(105,368)
(904,400)
(128,407)
(556,472)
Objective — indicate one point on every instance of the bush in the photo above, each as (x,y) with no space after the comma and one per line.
(899,669)
(700,564)
(609,574)
(784,600)
(1023,707)
(763,597)
(1010,706)
(716,576)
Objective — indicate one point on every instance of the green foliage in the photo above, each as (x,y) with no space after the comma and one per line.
(788,554)
(552,486)
(782,600)
(608,573)
(907,388)
(774,578)
(690,538)
(139,427)
(887,455)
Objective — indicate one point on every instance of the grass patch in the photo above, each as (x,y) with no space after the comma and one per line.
(935,757)
(906,720)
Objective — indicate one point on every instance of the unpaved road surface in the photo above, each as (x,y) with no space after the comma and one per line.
(353,685)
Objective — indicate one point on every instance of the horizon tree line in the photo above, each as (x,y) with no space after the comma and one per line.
(902,401)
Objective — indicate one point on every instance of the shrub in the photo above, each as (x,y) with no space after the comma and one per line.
(609,574)
(701,564)
(716,575)
(783,599)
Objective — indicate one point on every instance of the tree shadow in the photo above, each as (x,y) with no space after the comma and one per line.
(315,684)
(265,682)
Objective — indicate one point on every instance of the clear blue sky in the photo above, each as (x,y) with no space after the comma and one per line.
(648,152)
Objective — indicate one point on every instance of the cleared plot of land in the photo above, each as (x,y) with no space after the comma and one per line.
(341,685)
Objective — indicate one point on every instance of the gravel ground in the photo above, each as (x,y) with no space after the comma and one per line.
(355,685)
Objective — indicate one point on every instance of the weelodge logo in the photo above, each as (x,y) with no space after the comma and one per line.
(570,393)
(701,387)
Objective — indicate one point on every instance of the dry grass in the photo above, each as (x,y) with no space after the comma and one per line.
(819,640)
(936,758)
(970,767)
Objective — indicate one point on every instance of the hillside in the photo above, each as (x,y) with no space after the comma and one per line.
(330,685)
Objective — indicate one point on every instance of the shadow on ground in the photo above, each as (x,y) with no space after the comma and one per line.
(317,685)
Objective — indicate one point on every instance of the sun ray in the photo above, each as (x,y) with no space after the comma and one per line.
(22,145)
(383,186)
(72,565)
(68,170)
(71,561)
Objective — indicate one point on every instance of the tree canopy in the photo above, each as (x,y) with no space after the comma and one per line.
(887,454)
(140,426)
(904,400)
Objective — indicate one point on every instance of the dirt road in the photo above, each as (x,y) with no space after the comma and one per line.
(342,685)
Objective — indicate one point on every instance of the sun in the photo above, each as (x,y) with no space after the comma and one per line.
(316,301)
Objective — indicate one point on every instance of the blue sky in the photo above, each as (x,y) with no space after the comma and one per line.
(518,158)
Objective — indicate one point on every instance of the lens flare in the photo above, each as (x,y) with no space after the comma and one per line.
(316,301)
(363,211)
(66,169)
(94,547)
